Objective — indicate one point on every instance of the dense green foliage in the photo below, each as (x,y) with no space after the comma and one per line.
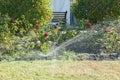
(34,10)
(96,10)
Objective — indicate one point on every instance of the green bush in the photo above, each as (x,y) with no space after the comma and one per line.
(109,35)
(5,35)
(67,34)
(96,10)
(111,40)
(34,10)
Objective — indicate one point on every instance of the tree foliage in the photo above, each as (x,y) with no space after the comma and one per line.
(95,10)
(34,10)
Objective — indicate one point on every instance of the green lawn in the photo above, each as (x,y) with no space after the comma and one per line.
(60,70)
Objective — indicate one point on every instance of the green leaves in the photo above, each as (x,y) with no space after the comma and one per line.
(34,10)
(96,10)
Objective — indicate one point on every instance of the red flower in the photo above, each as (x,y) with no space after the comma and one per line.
(115,30)
(36,31)
(14,22)
(107,29)
(87,24)
(45,34)
(37,25)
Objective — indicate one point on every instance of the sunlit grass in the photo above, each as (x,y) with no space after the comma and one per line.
(60,70)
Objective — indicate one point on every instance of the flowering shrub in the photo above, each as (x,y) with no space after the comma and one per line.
(85,23)
(108,35)
(21,26)
(111,40)
(30,36)
(45,36)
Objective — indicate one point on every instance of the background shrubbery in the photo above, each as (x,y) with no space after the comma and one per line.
(34,10)
(96,10)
